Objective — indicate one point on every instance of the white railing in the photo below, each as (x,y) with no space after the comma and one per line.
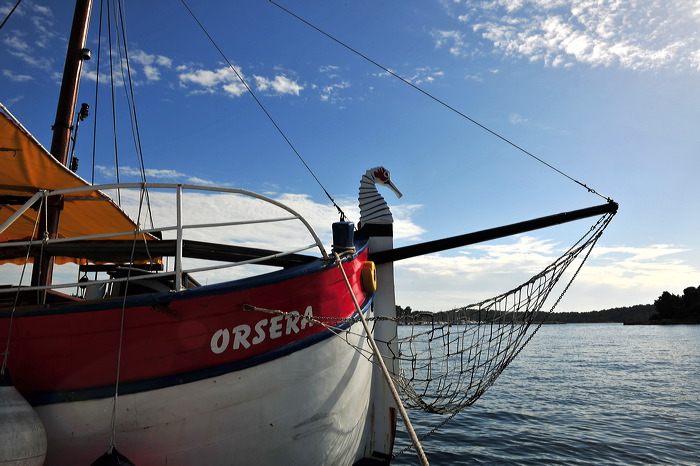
(179,229)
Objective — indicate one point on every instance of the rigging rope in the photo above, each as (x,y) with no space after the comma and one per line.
(6,354)
(441,102)
(115,18)
(97,93)
(131,103)
(343,217)
(114,110)
(113,421)
(10,13)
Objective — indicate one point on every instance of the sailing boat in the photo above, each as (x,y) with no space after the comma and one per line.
(274,368)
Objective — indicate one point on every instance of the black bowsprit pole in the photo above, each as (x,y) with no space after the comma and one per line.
(420,249)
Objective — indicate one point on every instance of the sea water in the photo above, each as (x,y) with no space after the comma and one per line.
(580,394)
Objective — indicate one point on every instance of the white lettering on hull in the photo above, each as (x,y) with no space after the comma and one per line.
(243,336)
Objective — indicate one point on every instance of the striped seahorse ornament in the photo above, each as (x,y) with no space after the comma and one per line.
(373,207)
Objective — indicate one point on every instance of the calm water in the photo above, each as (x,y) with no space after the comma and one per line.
(581,394)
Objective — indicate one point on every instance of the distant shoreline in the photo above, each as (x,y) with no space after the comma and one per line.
(666,322)
(640,314)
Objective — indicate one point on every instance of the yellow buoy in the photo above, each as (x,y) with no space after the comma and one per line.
(369,277)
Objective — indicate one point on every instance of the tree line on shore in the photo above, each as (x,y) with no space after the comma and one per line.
(671,307)
(668,308)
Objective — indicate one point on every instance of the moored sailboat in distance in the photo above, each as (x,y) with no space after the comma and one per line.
(136,354)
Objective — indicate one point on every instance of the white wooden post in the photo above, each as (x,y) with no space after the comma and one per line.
(178,247)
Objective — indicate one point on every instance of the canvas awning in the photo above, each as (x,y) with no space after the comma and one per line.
(26,167)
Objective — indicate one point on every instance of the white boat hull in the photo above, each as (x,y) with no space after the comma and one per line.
(309,407)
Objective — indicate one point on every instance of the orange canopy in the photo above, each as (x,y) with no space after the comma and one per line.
(27,167)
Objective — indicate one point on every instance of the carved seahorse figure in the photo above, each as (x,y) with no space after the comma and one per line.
(373,207)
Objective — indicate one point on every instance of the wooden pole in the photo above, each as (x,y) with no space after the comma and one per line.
(392,255)
(380,361)
(60,143)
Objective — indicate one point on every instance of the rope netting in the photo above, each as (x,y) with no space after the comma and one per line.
(448,360)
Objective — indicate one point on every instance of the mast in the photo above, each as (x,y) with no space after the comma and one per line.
(63,126)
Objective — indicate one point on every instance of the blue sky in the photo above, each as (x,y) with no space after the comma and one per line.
(607,92)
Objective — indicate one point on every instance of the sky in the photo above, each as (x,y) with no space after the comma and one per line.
(606,92)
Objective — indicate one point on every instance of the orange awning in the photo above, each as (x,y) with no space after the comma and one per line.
(27,167)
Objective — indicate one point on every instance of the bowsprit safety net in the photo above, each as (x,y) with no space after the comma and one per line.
(447,360)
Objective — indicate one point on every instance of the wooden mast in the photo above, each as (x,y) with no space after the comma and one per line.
(63,126)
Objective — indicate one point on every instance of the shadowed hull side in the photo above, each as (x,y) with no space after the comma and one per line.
(307,407)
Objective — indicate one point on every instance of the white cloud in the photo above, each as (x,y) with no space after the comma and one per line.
(202,207)
(516,119)
(331,92)
(127,174)
(43,24)
(280,85)
(21,47)
(26,45)
(638,35)
(196,180)
(404,226)
(627,267)
(163,61)
(91,75)
(223,79)
(453,40)
(151,63)
(330,70)
(16,77)
(425,75)
(209,80)
(16,44)
(235,88)
(623,275)
(226,80)
(5,9)
(42,10)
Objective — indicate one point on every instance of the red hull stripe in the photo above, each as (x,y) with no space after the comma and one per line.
(38,399)
(71,351)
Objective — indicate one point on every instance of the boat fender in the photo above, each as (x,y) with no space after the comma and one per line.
(369,277)
(112,458)
(22,434)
